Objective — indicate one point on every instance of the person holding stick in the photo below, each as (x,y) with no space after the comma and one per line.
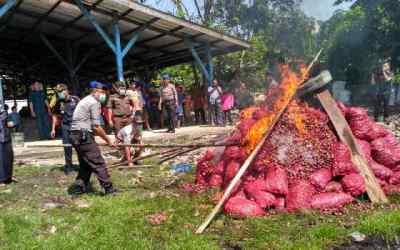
(85,124)
(132,134)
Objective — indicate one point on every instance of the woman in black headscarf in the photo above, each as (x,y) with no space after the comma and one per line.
(6,150)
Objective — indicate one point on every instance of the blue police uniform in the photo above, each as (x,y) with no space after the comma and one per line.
(66,109)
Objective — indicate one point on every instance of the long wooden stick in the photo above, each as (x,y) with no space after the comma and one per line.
(199,145)
(180,153)
(248,162)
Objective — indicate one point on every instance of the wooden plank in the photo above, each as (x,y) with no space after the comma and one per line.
(345,134)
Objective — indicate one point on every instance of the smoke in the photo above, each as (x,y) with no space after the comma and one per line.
(322,9)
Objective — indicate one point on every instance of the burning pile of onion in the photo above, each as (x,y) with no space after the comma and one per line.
(302,165)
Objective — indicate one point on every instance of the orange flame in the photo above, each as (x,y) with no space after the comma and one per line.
(247,113)
(295,114)
(287,89)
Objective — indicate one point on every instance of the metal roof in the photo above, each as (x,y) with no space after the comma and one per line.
(160,44)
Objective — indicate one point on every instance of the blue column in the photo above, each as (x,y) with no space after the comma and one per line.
(6,7)
(118,51)
(115,45)
(206,69)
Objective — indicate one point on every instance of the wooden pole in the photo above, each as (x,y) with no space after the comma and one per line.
(374,190)
(177,154)
(199,145)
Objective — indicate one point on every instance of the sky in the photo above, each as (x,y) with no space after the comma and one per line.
(320,9)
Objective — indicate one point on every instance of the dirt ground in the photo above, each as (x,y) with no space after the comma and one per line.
(53,156)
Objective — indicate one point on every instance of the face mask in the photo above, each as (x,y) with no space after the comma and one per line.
(61,95)
(102,98)
(122,91)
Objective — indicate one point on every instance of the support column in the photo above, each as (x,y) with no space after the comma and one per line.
(206,69)
(70,64)
(115,45)
(6,7)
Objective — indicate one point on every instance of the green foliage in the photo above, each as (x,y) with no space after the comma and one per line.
(120,222)
(357,39)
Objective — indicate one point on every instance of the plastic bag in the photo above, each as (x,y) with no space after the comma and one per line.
(330,200)
(321,178)
(241,207)
(300,194)
(353,184)
(277,180)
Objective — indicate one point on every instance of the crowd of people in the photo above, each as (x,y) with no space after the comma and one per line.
(163,105)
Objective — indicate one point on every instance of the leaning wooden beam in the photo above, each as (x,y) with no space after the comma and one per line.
(200,145)
(345,134)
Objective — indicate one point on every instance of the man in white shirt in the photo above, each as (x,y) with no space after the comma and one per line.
(215,93)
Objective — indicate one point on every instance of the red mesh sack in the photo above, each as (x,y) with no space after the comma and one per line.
(259,167)
(385,153)
(380,171)
(201,173)
(231,169)
(365,148)
(354,113)
(330,200)
(342,161)
(361,128)
(215,180)
(333,186)
(231,153)
(258,184)
(235,138)
(263,199)
(241,207)
(208,156)
(220,168)
(353,184)
(300,194)
(395,179)
(321,178)
(277,180)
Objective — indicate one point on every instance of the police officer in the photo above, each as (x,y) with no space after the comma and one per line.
(168,101)
(65,107)
(6,150)
(119,108)
(86,124)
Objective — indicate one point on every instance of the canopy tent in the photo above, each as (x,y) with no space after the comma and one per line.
(98,38)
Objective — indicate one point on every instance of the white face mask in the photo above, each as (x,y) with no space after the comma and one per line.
(102,98)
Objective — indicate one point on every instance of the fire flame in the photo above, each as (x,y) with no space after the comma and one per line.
(247,113)
(296,115)
(280,97)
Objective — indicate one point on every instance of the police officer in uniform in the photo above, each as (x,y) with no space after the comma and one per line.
(168,101)
(65,107)
(6,150)
(86,124)
(119,108)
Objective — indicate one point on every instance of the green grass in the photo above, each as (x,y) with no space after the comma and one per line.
(120,222)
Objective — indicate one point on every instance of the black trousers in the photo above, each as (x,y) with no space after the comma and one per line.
(67,140)
(90,160)
(6,162)
(381,106)
(170,108)
(200,116)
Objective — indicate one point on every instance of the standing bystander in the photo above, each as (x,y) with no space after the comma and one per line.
(168,101)
(40,109)
(65,107)
(215,93)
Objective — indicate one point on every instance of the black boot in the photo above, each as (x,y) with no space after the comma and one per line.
(109,189)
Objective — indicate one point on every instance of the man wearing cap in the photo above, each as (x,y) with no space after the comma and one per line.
(168,101)
(131,134)
(119,108)
(64,108)
(85,124)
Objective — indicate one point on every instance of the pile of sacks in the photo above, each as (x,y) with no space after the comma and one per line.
(301,166)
